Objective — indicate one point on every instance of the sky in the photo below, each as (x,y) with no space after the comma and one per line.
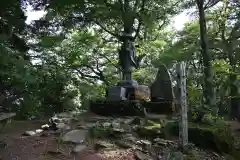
(178,21)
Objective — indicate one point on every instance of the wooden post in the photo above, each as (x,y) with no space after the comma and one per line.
(182,103)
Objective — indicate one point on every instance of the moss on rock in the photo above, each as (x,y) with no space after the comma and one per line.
(217,137)
(150,130)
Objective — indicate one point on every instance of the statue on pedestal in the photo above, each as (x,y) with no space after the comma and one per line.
(127,87)
(127,57)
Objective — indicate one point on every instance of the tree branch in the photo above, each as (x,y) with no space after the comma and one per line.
(106,30)
(109,61)
(210,4)
(85,78)
(86,75)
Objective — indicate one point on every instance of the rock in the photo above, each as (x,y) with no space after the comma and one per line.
(208,137)
(75,136)
(130,137)
(79,148)
(208,119)
(115,124)
(161,89)
(67,120)
(56,133)
(103,144)
(86,125)
(39,131)
(193,154)
(45,127)
(82,127)
(142,92)
(142,156)
(125,145)
(100,132)
(29,133)
(127,121)
(175,156)
(63,126)
(144,142)
(89,125)
(106,124)
(118,130)
(151,130)
(164,142)
(55,120)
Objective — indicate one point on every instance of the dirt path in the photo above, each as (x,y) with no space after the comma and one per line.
(14,146)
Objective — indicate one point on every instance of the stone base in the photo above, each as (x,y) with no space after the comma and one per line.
(116,93)
(116,108)
(159,107)
(129,108)
(125,90)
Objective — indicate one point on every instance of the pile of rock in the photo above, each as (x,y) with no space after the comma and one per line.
(108,138)
(56,125)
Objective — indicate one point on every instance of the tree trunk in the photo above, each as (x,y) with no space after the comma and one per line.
(234,99)
(209,92)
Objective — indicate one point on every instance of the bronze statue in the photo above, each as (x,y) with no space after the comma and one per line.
(127,57)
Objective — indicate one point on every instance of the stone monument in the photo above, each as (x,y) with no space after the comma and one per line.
(127,87)
(128,98)
(162,94)
(162,88)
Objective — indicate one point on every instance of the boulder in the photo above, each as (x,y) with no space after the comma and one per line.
(150,130)
(79,148)
(142,92)
(39,131)
(75,136)
(142,156)
(63,126)
(29,133)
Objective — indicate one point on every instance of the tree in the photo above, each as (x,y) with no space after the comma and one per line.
(114,19)
(209,91)
(13,57)
(228,39)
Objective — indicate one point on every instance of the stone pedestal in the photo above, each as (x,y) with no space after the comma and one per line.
(128,90)
(125,90)
(116,93)
(130,86)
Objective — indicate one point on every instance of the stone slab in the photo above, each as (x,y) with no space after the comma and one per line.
(116,93)
(4,116)
(75,136)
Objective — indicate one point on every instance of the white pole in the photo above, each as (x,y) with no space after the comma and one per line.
(182,101)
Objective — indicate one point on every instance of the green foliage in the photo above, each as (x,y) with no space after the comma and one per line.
(217,137)
(74,51)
